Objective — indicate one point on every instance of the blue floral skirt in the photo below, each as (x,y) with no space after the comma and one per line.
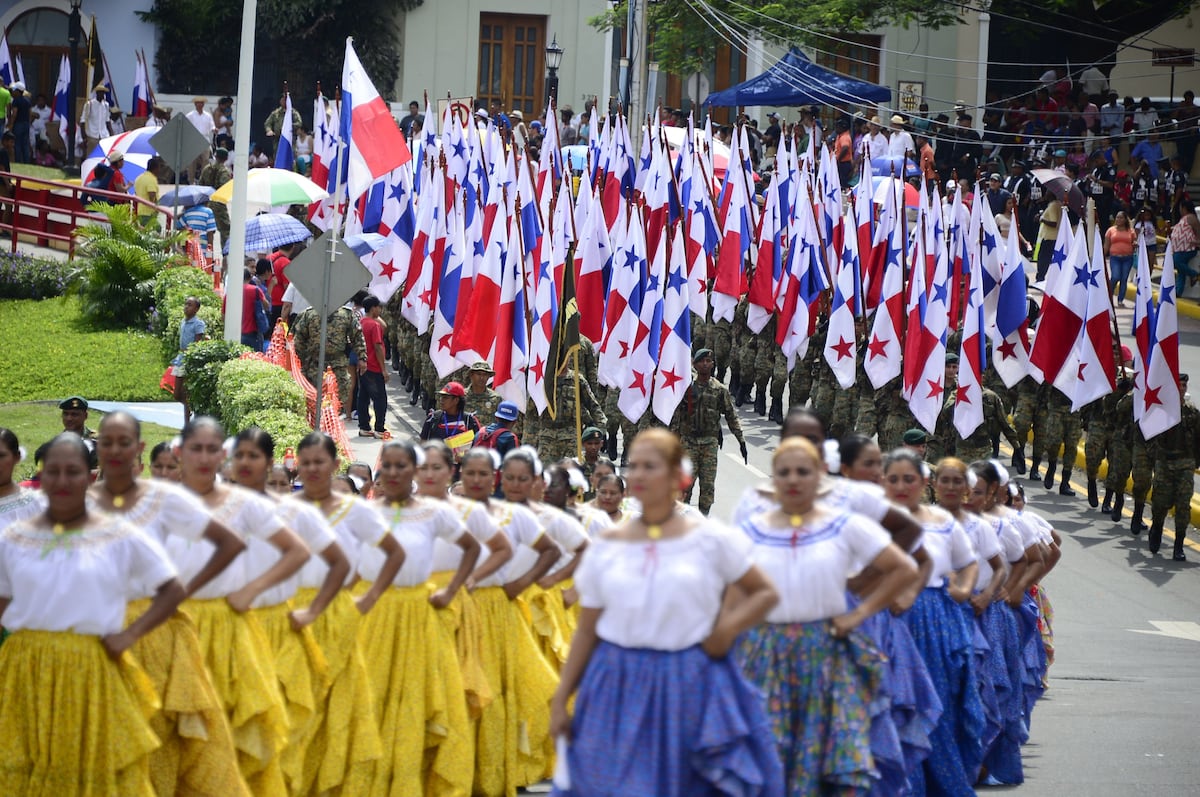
(947,645)
(821,694)
(1002,757)
(652,723)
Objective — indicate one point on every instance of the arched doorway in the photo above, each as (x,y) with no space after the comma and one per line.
(39,39)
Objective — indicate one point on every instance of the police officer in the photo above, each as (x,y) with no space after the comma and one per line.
(698,422)
(343,335)
(1175,459)
(74,419)
(482,401)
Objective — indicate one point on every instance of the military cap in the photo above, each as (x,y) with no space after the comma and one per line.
(951,359)
(592,433)
(700,355)
(481,367)
(73,403)
(915,437)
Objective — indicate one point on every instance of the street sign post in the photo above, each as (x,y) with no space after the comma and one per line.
(179,139)
(1173,57)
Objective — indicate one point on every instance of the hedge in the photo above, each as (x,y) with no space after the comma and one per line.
(26,277)
(247,386)
(286,428)
(172,286)
(202,362)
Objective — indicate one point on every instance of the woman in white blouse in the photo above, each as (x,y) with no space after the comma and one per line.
(662,710)
(513,745)
(346,743)
(942,634)
(66,576)
(16,503)
(820,675)
(171,655)
(236,649)
(300,665)
(416,679)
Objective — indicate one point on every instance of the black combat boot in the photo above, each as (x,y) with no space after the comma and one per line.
(1018,459)
(720,375)
(760,403)
(1064,486)
(1106,507)
(415,397)
(735,390)
(1051,467)
(1034,464)
(776,413)
(1136,526)
(1154,538)
(1178,554)
(1118,505)
(1093,494)
(611,448)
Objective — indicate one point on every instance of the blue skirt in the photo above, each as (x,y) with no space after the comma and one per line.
(985,680)
(652,723)
(900,733)
(1006,672)
(946,641)
(821,694)
(1033,654)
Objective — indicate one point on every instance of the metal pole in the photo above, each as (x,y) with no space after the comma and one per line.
(981,64)
(323,301)
(74,31)
(241,163)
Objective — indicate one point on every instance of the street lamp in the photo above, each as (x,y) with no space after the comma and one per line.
(74,34)
(554,55)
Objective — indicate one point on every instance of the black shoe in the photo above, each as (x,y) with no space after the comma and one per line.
(1118,505)
(1154,538)
(1106,507)
(1136,526)
(611,448)
(1093,493)
(1051,467)
(1179,557)
(776,413)
(760,404)
(414,398)
(740,394)
(1065,489)
(1018,460)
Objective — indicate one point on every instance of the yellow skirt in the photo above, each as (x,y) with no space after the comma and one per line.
(419,698)
(239,659)
(72,721)
(302,672)
(344,746)
(462,619)
(513,747)
(197,757)
(550,622)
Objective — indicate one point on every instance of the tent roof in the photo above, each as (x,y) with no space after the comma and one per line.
(795,80)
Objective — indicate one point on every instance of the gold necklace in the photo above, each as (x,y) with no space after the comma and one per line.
(655,530)
(60,528)
(797,520)
(118,499)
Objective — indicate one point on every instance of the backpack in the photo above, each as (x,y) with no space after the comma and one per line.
(489,437)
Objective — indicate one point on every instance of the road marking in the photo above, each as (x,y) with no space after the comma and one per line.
(745,465)
(1170,628)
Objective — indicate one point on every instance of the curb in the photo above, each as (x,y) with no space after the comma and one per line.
(1191,309)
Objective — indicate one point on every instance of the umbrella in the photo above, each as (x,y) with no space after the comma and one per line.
(1063,188)
(133,144)
(364,243)
(269,231)
(267,188)
(720,151)
(883,184)
(894,165)
(186,195)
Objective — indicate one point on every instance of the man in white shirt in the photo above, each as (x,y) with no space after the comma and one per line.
(874,144)
(203,122)
(1094,83)
(900,145)
(94,123)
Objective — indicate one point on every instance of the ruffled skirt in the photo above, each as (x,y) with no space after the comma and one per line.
(550,622)
(344,745)
(463,621)
(418,698)
(652,723)
(821,693)
(947,645)
(303,680)
(73,722)
(239,658)
(1033,654)
(513,747)
(197,757)
(1006,671)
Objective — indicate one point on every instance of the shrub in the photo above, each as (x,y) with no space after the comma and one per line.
(25,277)
(202,363)
(171,287)
(246,386)
(115,278)
(286,428)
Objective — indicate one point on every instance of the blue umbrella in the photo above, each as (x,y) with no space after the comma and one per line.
(890,165)
(269,231)
(186,195)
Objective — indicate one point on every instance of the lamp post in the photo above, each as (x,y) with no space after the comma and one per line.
(554,55)
(74,34)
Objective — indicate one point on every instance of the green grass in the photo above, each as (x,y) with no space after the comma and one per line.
(42,172)
(48,353)
(35,423)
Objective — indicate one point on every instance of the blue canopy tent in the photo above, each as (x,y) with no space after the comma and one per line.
(795,80)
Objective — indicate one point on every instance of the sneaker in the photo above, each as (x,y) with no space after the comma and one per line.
(365,433)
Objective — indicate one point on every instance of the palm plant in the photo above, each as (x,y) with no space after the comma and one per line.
(119,262)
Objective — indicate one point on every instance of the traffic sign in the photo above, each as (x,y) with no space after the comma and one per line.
(347,275)
(180,142)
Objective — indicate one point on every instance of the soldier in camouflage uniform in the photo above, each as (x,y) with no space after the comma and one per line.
(593,443)
(698,422)
(1063,428)
(1128,455)
(770,366)
(719,338)
(897,417)
(1024,408)
(558,436)
(1175,459)
(215,175)
(482,401)
(800,380)
(745,347)
(977,445)
(343,334)
(1100,415)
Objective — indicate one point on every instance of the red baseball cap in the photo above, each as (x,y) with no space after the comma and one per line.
(453,389)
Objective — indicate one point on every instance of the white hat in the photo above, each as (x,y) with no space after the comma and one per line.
(482,112)
(17,85)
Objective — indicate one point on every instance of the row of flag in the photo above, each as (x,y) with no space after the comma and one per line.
(503,259)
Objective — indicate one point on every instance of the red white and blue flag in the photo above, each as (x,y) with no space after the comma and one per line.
(143,102)
(675,358)
(1163,399)
(375,144)
(285,156)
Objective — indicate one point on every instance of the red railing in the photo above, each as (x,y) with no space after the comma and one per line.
(50,210)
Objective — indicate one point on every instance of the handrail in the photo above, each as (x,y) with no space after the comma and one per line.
(51,210)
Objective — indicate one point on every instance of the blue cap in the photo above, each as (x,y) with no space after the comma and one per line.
(507,411)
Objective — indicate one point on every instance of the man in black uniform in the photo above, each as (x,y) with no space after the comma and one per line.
(74,419)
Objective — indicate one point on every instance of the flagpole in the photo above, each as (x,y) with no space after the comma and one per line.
(241,161)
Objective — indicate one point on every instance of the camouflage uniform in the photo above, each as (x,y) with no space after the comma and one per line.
(719,338)
(800,383)
(770,366)
(977,445)
(1061,427)
(897,416)
(558,437)
(343,334)
(1128,455)
(1175,460)
(745,347)
(483,405)
(697,420)
(1024,408)
(215,175)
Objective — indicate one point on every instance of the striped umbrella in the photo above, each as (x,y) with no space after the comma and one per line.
(268,188)
(133,144)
